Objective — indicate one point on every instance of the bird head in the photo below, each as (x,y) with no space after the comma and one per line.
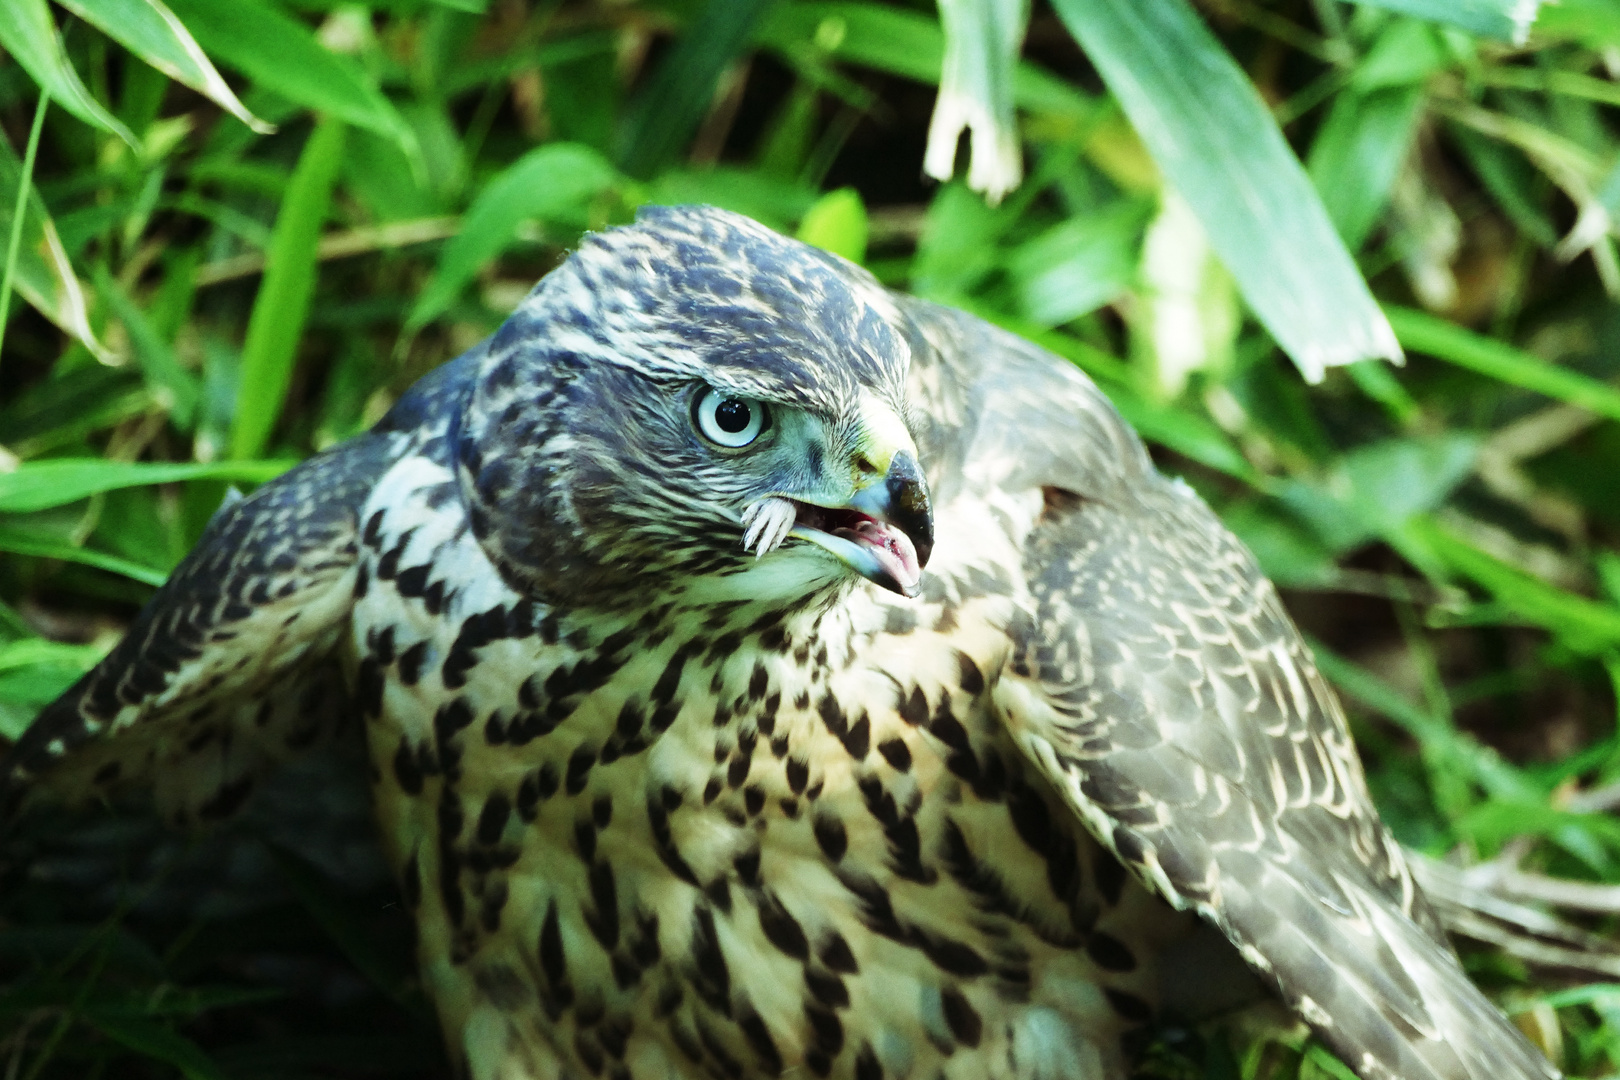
(695,405)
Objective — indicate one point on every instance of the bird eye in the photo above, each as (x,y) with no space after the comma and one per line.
(729,421)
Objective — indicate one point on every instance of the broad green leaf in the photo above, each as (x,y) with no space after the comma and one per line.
(982,41)
(280,54)
(1376,489)
(151,32)
(672,103)
(1447,341)
(29,35)
(1358,152)
(1406,53)
(837,223)
(44,276)
(19,544)
(282,304)
(1507,20)
(1217,144)
(39,485)
(553,182)
(1079,264)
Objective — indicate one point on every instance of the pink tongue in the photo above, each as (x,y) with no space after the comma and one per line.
(893,549)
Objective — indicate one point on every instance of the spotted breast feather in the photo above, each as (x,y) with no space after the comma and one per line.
(762,672)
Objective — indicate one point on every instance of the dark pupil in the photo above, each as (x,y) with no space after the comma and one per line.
(732,415)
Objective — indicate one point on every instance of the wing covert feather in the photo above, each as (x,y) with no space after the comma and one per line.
(1158,682)
(230,666)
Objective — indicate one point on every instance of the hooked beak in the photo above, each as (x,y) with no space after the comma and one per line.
(884,532)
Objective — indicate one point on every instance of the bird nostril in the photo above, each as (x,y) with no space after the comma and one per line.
(865,464)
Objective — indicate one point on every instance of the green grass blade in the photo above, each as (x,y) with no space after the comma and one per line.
(1586,626)
(39,485)
(42,273)
(282,304)
(1424,333)
(151,31)
(280,54)
(19,209)
(18,544)
(27,33)
(1506,20)
(1217,144)
(158,1043)
(669,107)
(552,182)
(172,385)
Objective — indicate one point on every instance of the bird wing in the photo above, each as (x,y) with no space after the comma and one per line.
(231,665)
(1158,683)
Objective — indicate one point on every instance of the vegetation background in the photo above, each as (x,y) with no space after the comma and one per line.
(212,272)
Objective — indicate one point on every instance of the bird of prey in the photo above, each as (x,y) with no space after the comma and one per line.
(764,673)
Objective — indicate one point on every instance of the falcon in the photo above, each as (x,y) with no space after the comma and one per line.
(766,673)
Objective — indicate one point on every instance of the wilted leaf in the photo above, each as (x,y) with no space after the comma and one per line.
(982,42)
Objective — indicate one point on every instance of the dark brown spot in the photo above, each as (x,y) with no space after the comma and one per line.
(896,753)
(830,836)
(961,1017)
(1109,953)
(781,928)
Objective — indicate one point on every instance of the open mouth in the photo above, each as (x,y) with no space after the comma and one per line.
(875,549)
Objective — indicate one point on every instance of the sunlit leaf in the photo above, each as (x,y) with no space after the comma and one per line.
(553,182)
(282,304)
(149,30)
(29,35)
(1509,20)
(837,223)
(1218,145)
(39,485)
(280,54)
